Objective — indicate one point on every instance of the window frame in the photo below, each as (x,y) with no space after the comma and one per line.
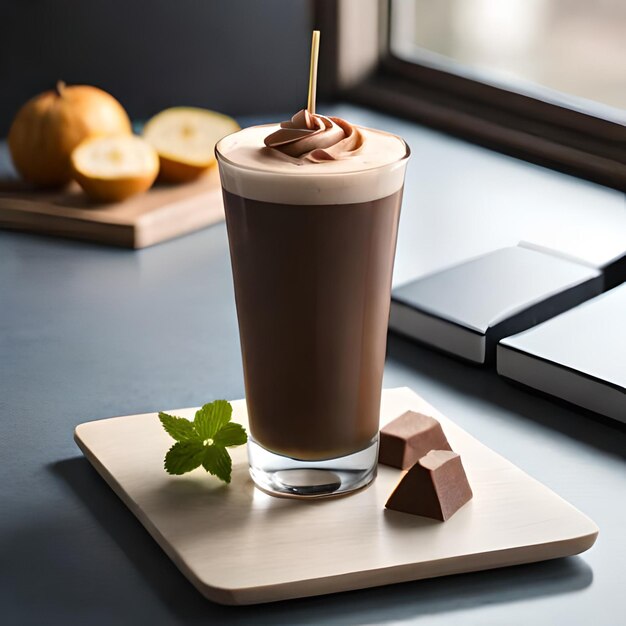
(536,126)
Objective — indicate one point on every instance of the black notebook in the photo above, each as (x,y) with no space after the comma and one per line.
(466,309)
(579,356)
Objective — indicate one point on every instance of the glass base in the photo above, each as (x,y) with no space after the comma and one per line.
(286,477)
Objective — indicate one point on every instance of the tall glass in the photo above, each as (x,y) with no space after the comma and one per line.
(312,258)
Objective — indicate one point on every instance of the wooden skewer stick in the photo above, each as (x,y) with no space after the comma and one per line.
(315,49)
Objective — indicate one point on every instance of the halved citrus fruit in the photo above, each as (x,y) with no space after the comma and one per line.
(110,169)
(185,139)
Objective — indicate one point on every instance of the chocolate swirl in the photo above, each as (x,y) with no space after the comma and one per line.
(316,138)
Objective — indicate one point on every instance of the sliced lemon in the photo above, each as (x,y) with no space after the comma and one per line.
(110,169)
(185,139)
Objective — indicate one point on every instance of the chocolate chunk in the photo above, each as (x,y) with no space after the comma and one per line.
(436,487)
(408,438)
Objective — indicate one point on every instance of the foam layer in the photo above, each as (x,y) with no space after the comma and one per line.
(249,169)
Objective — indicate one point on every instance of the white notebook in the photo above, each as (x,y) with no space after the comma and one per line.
(578,356)
(466,309)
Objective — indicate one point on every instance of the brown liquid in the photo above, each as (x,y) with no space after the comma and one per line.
(312,284)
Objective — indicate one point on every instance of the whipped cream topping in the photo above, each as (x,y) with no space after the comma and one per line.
(251,169)
(316,138)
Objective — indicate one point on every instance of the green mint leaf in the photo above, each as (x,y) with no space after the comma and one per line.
(217,461)
(203,441)
(178,427)
(211,418)
(184,456)
(231,434)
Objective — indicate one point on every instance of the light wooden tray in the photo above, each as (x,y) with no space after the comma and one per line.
(163,212)
(238,545)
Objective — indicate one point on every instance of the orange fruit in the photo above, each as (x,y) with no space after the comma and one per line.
(49,126)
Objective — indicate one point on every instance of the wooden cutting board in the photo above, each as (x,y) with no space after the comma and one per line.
(163,212)
(238,545)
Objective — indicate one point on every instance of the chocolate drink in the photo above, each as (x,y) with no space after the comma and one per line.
(312,211)
(312,286)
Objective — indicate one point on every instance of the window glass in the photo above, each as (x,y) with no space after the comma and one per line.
(568,49)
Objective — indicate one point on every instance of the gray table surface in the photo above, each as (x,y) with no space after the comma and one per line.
(88,332)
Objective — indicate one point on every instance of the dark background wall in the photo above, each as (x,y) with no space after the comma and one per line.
(236,56)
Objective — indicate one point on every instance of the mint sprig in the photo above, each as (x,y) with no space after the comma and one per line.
(203,441)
